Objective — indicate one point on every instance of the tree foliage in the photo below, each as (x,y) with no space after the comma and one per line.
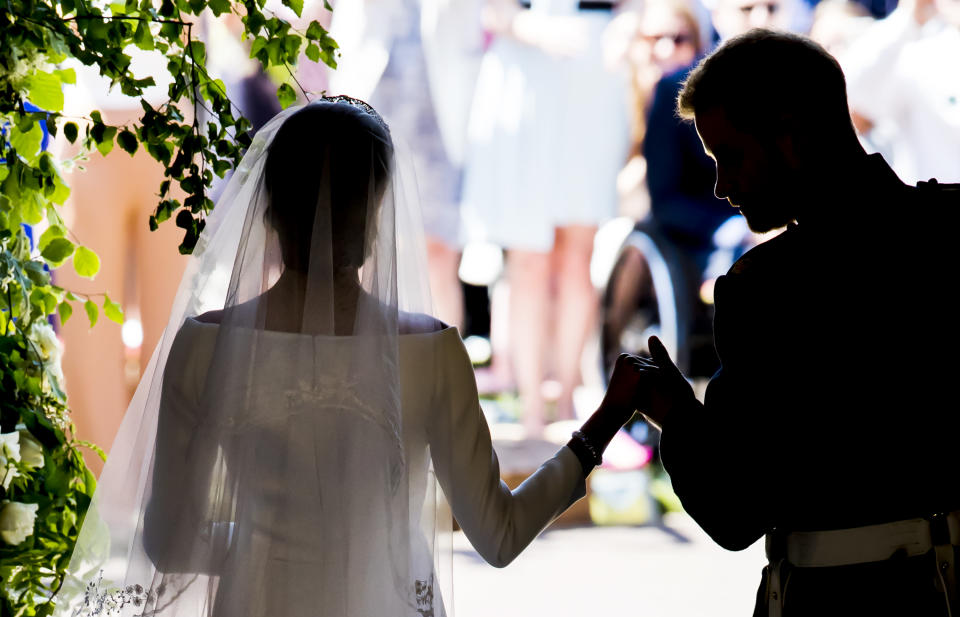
(43,480)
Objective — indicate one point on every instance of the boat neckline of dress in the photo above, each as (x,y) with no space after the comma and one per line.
(196,322)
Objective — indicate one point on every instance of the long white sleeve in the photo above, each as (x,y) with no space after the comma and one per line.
(498,522)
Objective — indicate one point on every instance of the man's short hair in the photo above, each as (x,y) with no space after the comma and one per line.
(763,78)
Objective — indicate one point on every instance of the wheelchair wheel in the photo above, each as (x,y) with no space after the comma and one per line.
(639,300)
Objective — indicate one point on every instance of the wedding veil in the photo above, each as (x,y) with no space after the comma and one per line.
(261,468)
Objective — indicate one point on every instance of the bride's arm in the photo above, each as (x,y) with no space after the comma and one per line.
(179,533)
(499,522)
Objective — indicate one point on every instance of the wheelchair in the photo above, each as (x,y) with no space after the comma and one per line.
(659,287)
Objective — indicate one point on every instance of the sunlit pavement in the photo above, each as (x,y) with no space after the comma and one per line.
(669,571)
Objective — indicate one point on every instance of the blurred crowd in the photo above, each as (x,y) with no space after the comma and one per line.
(531,127)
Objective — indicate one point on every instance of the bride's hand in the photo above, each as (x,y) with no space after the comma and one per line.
(621,396)
(619,402)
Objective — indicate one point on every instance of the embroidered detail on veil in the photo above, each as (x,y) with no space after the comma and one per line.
(424,596)
(98,601)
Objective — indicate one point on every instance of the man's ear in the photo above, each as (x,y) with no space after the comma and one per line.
(789,140)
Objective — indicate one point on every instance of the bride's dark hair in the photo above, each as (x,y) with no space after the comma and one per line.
(330,159)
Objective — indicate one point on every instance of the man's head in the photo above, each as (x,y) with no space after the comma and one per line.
(771,110)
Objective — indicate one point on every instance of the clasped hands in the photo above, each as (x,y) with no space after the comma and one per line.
(653,386)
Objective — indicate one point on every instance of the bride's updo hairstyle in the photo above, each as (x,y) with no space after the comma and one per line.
(331,159)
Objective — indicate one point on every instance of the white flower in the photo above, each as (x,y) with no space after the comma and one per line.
(31,452)
(46,339)
(52,377)
(9,454)
(16,521)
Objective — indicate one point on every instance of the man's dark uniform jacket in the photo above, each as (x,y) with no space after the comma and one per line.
(836,402)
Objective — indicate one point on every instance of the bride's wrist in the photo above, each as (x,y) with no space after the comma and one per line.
(603,424)
(586,451)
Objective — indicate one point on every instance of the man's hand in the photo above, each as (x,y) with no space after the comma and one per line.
(662,386)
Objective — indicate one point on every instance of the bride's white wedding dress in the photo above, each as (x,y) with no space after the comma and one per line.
(281,455)
(287,540)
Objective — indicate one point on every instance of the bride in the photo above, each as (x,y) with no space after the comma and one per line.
(281,453)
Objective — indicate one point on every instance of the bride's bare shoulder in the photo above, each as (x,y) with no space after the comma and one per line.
(210,317)
(419,323)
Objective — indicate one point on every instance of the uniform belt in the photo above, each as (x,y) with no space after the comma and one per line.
(844,547)
(867,544)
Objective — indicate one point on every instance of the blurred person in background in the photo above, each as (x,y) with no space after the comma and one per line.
(110,202)
(733,17)
(248,86)
(837,23)
(904,89)
(547,136)
(654,39)
(416,61)
(661,39)
(685,215)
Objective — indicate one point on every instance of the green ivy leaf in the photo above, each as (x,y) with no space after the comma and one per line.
(92,312)
(86,262)
(315,31)
(275,50)
(143,37)
(286,96)
(258,50)
(57,251)
(36,273)
(291,44)
(128,141)
(27,144)
(70,131)
(32,207)
(54,231)
(112,310)
(313,52)
(105,140)
(45,91)
(198,52)
(64,310)
(219,7)
(60,193)
(67,76)
(46,164)
(296,5)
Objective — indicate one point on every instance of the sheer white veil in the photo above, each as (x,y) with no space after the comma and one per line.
(261,468)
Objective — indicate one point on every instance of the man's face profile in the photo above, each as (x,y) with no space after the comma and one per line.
(752,174)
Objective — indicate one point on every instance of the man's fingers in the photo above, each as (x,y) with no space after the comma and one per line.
(657,350)
(660,355)
(641,364)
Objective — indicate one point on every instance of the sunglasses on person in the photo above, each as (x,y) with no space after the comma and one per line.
(678,38)
(771,7)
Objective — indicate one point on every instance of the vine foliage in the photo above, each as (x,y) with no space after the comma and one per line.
(197,134)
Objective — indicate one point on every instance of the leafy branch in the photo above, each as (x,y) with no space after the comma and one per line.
(197,133)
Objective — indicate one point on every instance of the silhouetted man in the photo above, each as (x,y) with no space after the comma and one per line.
(832,426)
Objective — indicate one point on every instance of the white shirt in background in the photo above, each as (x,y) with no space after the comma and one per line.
(904,78)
